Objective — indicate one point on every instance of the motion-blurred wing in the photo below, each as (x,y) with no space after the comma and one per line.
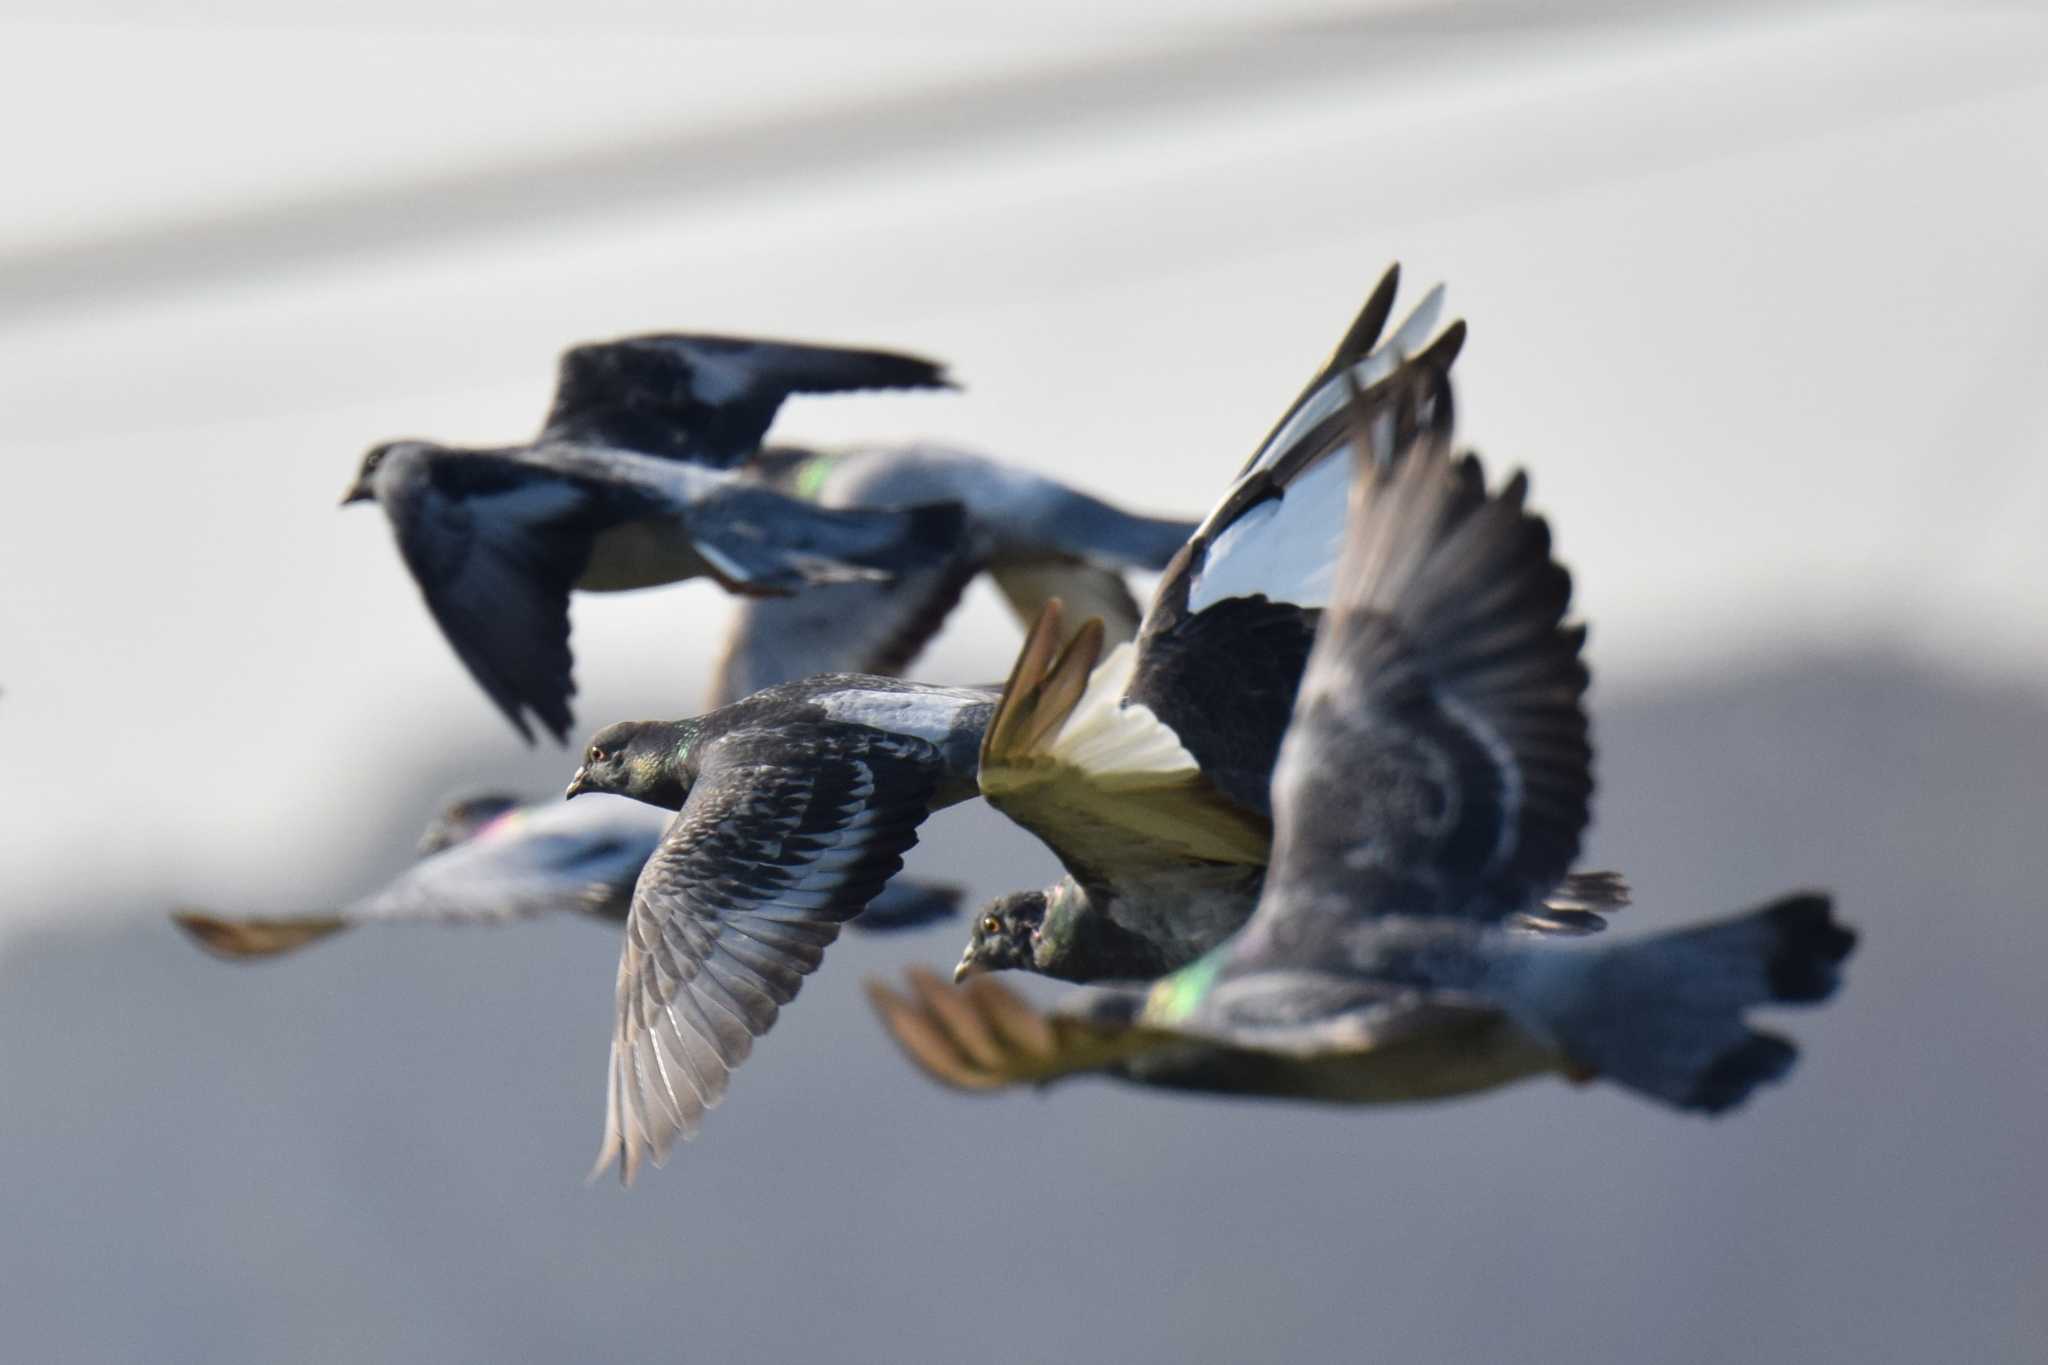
(1439,759)
(755,539)
(980,1035)
(868,627)
(708,399)
(562,859)
(785,836)
(495,548)
(1385,1047)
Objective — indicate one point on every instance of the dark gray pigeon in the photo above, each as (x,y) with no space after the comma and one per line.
(491,860)
(1434,784)
(497,538)
(708,399)
(1036,538)
(794,807)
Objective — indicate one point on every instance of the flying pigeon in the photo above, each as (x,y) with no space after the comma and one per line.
(497,538)
(1434,783)
(490,859)
(709,400)
(794,807)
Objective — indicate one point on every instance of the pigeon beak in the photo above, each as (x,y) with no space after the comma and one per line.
(968,967)
(357,492)
(576,784)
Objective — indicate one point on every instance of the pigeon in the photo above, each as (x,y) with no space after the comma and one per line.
(707,399)
(1035,537)
(1148,773)
(497,538)
(793,809)
(1434,782)
(491,859)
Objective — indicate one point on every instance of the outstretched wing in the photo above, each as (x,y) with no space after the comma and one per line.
(980,1035)
(1439,760)
(1104,783)
(708,399)
(562,859)
(1228,632)
(495,547)
(1387,1045)
(785,836)
(1278,531)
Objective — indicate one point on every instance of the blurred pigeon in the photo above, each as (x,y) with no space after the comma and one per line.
(1148,773)
(490,859)
(1434,783)
(707,399)
(794,806)
(1036,538)
(496,539)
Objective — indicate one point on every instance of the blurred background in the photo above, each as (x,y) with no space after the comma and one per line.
(1757,293)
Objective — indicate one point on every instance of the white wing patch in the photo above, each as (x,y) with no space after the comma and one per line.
(1117,742)
(1284,549)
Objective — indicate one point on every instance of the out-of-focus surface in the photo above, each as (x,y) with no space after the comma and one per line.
(1757,294)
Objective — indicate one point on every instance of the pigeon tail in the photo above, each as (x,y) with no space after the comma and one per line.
(1664,1015)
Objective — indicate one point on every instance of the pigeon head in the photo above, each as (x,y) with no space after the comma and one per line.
(1004,936)
(644,759)
(463,819)
(364,489)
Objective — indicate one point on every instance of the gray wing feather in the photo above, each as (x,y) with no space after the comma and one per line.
(870,627)
(495,571)
(708,399)
(1438,762)
(561,858)
(785,836)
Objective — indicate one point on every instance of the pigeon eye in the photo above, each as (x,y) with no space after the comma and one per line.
(991,925)
(596,754)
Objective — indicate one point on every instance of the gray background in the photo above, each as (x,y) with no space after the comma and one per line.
(1756,294)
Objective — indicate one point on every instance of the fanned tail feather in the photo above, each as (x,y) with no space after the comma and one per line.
(1663,1015)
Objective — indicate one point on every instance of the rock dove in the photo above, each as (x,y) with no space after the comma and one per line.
(1434,783)
(496,538)
(1036,538)
(1148,773)
(709,400)
(794,807)
(490,859)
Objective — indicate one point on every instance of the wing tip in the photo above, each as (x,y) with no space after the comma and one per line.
(252,940)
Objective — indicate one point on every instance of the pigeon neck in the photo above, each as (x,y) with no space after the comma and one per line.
(1080,942)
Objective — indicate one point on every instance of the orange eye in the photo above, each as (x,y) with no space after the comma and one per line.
(991,925)
(596,754)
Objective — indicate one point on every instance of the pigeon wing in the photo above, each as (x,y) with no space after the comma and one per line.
(708,399)
(1439,759)
(581,859)
(862,627)
(1104,783)
(786,835)
(495,547)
